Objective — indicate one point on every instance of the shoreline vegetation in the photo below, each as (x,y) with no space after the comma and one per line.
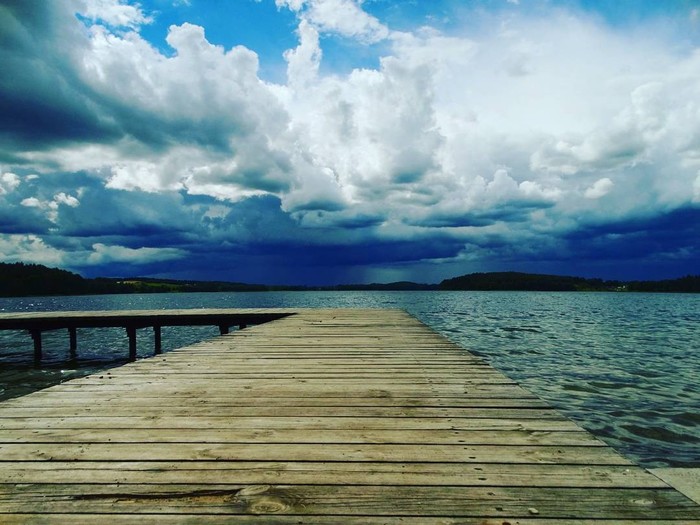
(27,280)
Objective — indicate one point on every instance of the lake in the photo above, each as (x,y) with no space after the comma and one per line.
(624,366)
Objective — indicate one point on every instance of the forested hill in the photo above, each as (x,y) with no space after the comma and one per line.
(526,281)
(20,280)
(514,281)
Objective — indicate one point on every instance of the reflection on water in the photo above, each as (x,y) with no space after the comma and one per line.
(624,366)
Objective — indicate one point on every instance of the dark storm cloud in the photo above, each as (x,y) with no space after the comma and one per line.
(675,234)
(361,254)
(160,218)
(78,206)
(15,218)
(252,219)
(357,220)
(238,241)
(42,103)
(285,263)
(20,210)
(509,213)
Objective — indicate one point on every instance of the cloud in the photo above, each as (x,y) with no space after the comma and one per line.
(501,140)
(20,213)
(342,17)
(68,200)
(103,254)
(51,206)
(117,13)
(600,188)
(8,183)
(31,202)
(303,61)
(42,105)
(651,239)
(29,249)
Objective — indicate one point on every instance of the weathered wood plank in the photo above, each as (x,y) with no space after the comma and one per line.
(246,399)
(286,436)
(285,422)
(349,500)
(269,519)
(331,473)
(218,391)
(85,451)
(173,385)
(494,411)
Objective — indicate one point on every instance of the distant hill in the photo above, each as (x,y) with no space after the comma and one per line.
(149,285)
(687,284)
(526,281)
(514,281)
(21,280)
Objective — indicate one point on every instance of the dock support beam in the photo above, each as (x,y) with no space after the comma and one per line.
(225,319)
(131,332)
(36,337)
(157,341)
(73,335)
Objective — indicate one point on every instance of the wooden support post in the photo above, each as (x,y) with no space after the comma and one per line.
(131,332)
(36,337)
(157,342)
(223,329)
(73,335)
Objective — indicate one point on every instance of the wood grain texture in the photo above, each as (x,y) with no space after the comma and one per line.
(323,416)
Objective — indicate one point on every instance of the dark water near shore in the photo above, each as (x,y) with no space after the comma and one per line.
(624,366)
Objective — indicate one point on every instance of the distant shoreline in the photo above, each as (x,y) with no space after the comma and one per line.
(32,280)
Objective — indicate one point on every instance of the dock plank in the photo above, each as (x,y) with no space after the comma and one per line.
(321,416)
(333,473)
(349,500)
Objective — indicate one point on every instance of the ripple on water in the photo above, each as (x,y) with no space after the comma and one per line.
(687,419)
(579,387)
(521,329)
(660,433)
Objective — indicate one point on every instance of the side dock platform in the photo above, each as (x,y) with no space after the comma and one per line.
(322,416)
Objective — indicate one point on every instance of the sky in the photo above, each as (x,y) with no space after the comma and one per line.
(321,142)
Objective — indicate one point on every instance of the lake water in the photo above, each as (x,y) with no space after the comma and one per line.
(624,366)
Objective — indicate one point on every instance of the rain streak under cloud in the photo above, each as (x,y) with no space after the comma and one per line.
(331,141)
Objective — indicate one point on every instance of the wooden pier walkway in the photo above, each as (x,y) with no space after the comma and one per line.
(324,416)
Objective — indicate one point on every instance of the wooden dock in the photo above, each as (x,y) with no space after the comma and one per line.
(131,320)
(321,417)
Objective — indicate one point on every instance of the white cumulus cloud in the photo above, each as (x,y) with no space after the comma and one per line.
(600,188)
(118,13)
(8,182)
(29,249)
(343,17)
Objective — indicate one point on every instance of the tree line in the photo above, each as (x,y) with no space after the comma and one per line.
(23,280)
